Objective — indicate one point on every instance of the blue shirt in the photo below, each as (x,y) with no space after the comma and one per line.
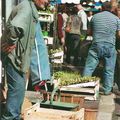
(104,26)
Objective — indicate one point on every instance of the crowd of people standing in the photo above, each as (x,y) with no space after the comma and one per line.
(104,33)
(22,44)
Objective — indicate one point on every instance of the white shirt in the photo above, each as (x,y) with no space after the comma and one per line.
(83,16)
(65,17)
(89,18)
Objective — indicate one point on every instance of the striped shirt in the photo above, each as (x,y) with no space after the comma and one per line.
(104,26)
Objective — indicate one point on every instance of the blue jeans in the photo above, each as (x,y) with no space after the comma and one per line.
(107,52)
(117,72)
(39,65)
(15,94)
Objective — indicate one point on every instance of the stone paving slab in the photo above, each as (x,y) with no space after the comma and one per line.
(104,116)
(115,117)
(107,100)
(106,107)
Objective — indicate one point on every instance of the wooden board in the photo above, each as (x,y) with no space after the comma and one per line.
(86,84)
(85,90)
(89,90)
(37,113)
(34,96)
(69,98)
(26,104)
(91,114)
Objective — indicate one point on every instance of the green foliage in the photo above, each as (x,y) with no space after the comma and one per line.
(52,51)
(68,78)
(82,37)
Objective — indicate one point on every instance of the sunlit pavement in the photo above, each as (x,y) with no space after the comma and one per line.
(108,107)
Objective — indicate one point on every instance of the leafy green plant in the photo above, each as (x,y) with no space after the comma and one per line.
(68,78)
(82,37)
(52,51)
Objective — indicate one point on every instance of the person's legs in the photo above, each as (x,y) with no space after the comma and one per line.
(69,48)
(91,63)
(118,70)
(116,89)
(76,49)
(110,61)
(15,94)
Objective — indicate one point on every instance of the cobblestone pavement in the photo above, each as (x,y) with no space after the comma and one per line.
(108,107)
(117,108)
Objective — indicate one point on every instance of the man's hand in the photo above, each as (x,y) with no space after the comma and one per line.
(7,47)
(62,41)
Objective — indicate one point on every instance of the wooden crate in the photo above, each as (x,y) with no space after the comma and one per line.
(91,114)
(91,109)
(34,96)
(26,104)
(89,90)
(69,98)
(37,113)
